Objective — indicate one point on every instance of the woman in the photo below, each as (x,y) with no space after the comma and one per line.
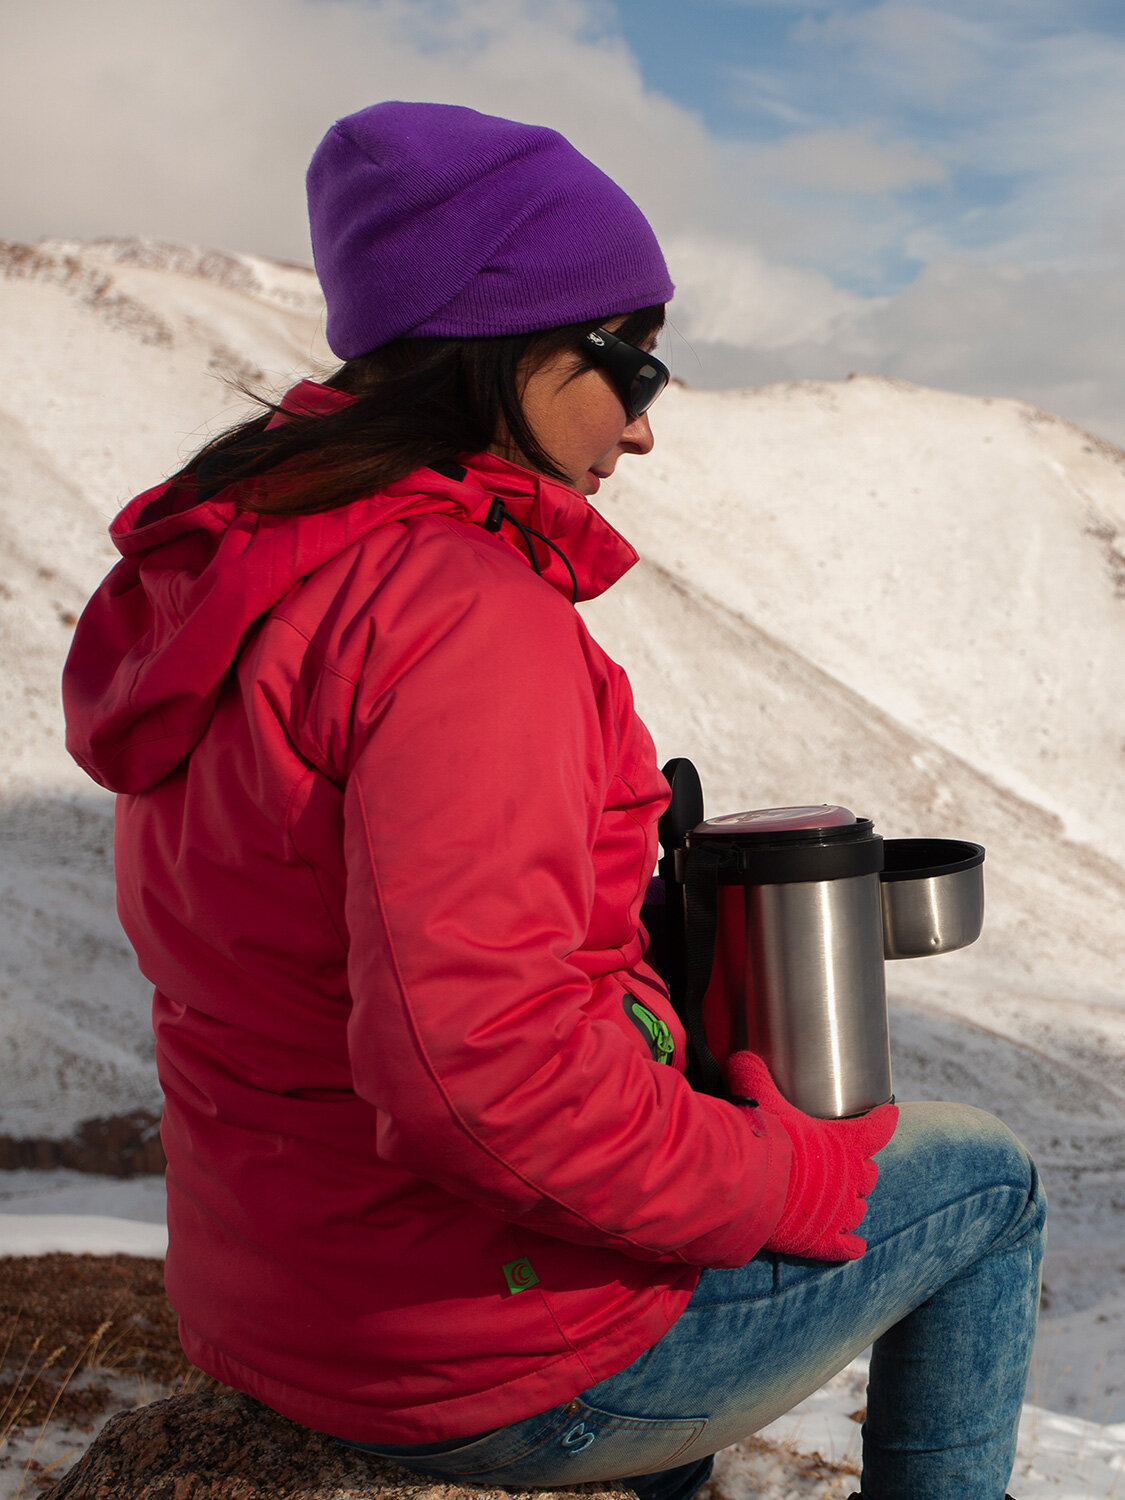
(436,1182)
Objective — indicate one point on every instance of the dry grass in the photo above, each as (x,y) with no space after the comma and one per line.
(68,1325)
(757,1462)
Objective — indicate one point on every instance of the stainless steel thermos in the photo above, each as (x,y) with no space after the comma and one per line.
(788,916)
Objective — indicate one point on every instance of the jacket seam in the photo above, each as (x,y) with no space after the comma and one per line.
(550,1311)
(321,659)
(309,866)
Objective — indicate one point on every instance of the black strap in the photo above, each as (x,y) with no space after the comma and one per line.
(684,811)
(691,917)
(700,867)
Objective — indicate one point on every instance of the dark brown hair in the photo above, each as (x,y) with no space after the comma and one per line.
(418,402)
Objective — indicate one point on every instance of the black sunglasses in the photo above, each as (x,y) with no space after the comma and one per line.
(638,376)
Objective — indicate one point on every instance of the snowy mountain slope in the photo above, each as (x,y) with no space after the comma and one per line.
(958,562)
(75,1040)
(54,546)
(897,599)
(116,354)
(768,728)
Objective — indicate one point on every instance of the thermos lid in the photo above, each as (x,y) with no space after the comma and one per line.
(767,821)
(785,845)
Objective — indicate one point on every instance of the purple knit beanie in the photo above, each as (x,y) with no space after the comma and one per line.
(432,219)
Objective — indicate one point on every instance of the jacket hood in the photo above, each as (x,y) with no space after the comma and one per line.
(163,632)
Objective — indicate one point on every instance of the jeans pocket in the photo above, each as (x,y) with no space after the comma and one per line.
(570,1444)
(594,1443)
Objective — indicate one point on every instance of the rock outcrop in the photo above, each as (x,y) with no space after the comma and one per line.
(224,1446)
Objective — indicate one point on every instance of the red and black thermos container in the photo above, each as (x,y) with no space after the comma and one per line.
(780,941)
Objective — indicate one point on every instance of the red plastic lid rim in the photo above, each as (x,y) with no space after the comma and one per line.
(768,820)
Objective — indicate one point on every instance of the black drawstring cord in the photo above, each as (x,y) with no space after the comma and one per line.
(498,513)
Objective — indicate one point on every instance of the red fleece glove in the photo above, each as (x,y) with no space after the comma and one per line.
(832,1171)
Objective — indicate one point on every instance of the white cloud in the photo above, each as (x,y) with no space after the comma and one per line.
(921,53)
(1023,105)
(1048,337)
(729,292)
(844,161)
(196,120)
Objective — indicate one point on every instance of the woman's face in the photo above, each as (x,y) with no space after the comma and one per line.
(577,416)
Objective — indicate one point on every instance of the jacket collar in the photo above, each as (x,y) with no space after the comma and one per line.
(596,551)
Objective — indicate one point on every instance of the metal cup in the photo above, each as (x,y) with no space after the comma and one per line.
(932,896)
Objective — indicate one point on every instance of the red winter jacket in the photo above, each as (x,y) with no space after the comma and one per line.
(386,818)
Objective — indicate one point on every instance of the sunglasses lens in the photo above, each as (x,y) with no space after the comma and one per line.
(646,385)
(640,377)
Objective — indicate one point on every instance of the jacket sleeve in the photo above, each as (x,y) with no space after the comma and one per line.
(477,780)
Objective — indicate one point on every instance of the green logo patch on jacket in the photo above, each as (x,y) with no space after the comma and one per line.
(652,1028)
(519,1275)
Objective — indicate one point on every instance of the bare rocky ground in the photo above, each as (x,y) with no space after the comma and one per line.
(114,1146)
(220,1445)
(80,1336)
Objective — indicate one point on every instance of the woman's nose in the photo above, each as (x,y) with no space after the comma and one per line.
(637,437)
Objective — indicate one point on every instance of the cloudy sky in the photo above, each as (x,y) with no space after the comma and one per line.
(934,191)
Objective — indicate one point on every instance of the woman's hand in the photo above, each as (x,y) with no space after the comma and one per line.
(831,1173)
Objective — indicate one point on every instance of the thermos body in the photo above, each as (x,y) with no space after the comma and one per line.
(815,981)
(806,906)
(798,972)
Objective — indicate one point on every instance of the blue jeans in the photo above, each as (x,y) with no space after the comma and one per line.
(948,1293)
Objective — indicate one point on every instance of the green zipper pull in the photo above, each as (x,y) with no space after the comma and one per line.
(660,1039)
